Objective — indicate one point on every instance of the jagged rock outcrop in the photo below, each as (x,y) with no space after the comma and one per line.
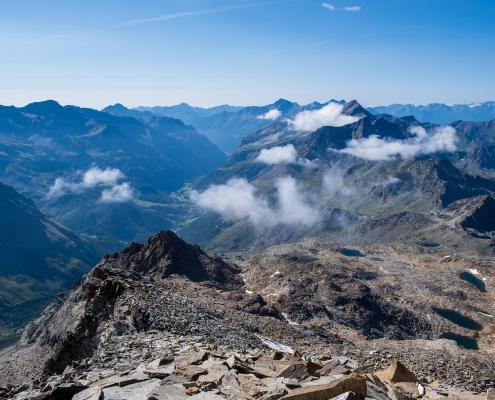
(476,213)
(68,329)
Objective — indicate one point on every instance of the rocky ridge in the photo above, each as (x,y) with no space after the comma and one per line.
(166,320)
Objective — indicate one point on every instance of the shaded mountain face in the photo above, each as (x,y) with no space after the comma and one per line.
(330,179)
(440,113)
(44,141)
(227,129)
(186,113)
(38,256)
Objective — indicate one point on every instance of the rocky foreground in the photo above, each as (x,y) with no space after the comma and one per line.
(159,366)
(312,320)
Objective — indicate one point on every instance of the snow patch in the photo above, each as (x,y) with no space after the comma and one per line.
(274,345)
(288,320)
(249,292)
(272,294)
(486,315)
(474,271)
(275,273)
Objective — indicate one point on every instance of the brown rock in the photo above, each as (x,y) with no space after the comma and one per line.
(353,383)
(190,372)
(332,368)
(243,368)
(252,386)
(165,360)
(192,391)
(299,370)
(396,372)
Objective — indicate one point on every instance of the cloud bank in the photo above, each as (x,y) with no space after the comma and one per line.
(238,198)
(442,139)
(92,178)
(271,115)
(330,115)
(118,194)
(278,155)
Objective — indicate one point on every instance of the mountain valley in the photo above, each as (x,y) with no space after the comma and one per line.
(329,239)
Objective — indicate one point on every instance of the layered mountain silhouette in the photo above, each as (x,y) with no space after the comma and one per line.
(185,112)
(45,141)
(440,113)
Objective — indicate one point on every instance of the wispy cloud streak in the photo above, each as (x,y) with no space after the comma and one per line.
(187,14)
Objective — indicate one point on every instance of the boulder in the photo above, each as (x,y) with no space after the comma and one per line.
(190,372)
(396,372)
(345,396)
(274,394)
(244,368)
(168,392)
(92,393)
(136,391)
(402,379)
(299,370)
(353,383)
(253,386)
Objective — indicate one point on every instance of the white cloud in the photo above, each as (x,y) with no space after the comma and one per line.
(352,9)
(391,180)
(238,198)
(118,194)
(334,185)
(329,6)
(272,114)
(330,115)
(90,179)
(278,155)
(442,139)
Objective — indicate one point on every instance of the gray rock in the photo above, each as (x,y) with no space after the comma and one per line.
(136,391)
(92,393)
(168,392)
(345,396)
(275,394)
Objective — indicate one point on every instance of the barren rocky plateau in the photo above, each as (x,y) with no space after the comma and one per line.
(307,320)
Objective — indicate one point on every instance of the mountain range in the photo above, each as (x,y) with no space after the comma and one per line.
(439,113)
(106,176)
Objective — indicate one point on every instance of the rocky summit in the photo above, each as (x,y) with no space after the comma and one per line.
(311,320)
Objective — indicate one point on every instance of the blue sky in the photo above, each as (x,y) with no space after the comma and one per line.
(246,52)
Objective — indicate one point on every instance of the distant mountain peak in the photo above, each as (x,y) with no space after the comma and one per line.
(355,109)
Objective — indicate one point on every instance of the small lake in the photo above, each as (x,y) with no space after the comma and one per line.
(464,341)
(431,245)
(313,251)
(458,319)
(473,280)
(351,253)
